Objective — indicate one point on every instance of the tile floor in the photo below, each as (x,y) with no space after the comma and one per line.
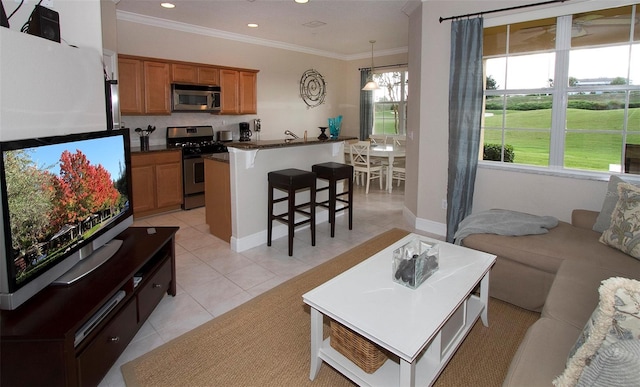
(213,279)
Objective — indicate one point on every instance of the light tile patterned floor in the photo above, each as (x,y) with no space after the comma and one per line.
(213,279)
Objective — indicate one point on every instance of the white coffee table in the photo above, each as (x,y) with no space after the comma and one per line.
(423,327)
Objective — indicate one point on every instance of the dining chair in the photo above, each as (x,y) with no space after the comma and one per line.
(361,162)
(398,173)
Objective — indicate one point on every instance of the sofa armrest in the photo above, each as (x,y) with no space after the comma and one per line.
(584,218)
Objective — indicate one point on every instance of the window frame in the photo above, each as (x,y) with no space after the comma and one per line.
(402,104)
(563,13)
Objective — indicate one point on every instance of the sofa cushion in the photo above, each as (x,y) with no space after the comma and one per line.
(624,232)
(542,353)
(616,318)
(617,365)
(609,203)
(574,293)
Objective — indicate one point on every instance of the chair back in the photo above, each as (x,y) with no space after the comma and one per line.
(359,152)
(397,139)
(378,138)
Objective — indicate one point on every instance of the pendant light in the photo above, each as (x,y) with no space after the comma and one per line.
(371,84)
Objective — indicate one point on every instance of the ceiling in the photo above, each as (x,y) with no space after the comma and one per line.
(334,28)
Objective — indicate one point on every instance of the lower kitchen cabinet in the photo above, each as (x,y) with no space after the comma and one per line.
(217,193)
(157,182)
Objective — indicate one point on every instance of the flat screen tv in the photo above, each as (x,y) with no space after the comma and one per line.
(64,199)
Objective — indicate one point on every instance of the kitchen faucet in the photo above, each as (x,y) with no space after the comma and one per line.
(290,133)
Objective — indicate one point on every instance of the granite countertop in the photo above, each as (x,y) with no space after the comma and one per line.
(282,143)
(222,157)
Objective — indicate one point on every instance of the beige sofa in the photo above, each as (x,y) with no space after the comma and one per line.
(557,274)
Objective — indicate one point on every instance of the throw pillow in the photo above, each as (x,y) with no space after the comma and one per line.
(616,318)
(617,365)
(603,221)
(624,232)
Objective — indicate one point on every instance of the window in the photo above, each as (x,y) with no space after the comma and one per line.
(564,93)
(390,102)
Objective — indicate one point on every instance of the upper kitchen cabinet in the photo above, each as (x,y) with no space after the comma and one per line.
(157,88)
(239,94)
(248,93)
(144,86)
(131,88)
(201,75)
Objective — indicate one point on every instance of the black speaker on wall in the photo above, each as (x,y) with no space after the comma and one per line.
(45,22)
(3,17)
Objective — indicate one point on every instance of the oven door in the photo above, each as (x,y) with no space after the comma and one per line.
(193,175)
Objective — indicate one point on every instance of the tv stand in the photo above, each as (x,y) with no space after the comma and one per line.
(37,339)
(90,263)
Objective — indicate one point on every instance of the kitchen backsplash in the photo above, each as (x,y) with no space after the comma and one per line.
(182,119)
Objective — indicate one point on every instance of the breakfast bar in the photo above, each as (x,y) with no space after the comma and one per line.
(248,166)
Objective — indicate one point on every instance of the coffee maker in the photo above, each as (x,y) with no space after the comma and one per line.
(245,132)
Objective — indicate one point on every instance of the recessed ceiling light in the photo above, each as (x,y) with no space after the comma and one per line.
(301,1)
(252,25)
(167,5)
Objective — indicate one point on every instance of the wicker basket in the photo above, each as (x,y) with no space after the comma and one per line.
(356,348)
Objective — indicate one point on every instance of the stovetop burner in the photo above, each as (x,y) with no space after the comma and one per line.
(194,140)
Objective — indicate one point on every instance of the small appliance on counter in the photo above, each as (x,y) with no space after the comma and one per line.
(245,132)
(224,136)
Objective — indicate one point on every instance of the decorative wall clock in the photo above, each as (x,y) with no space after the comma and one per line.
(312,88)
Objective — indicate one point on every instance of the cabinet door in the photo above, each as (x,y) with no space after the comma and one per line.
(229,80)
(168,184)
(184,73)
(156,88)
(208,76)
(217,193)
(143,186)
(130,86)
(248,97)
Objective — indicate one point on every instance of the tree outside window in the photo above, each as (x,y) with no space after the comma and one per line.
(390,102)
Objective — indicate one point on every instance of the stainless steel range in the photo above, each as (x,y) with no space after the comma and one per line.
(195,141)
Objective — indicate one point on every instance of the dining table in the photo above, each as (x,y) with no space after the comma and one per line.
(389,151)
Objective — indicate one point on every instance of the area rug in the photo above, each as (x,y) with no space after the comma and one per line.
(266,341)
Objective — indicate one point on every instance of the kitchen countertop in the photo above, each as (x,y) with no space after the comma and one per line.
(222,157)
(266,144)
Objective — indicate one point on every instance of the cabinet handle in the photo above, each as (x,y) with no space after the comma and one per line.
(114,339)
(157,286)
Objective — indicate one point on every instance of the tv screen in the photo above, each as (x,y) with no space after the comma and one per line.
(62,198)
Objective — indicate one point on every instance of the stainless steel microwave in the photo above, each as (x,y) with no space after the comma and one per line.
(195,98)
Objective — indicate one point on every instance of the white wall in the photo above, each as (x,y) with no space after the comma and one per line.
(51,88)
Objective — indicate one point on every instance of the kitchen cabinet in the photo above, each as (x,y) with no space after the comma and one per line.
(238,90)
(156,88)
(217,197)
(37,342)
(130,86)
(157,182)
(144,87)
(248,94)
(200,75)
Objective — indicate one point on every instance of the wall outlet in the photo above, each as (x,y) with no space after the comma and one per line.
(444,204)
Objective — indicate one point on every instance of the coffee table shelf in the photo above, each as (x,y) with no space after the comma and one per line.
(421,327)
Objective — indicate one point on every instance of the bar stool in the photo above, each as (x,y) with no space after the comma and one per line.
(292,180)
(334,172)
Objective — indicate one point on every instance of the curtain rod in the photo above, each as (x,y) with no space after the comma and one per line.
(384,67)
(501,10)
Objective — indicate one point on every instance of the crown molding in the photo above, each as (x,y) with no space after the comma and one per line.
(211,32)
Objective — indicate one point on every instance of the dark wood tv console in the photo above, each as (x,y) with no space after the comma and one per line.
(37,339)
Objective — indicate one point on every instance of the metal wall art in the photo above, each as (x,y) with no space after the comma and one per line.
(312,88)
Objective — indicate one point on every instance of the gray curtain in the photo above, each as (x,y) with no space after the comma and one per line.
(465,109)
(366,107)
